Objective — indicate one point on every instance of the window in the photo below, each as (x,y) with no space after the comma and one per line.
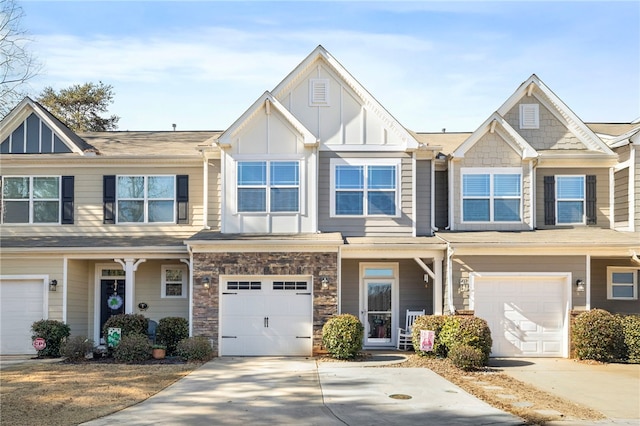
(529,116)
(289,285)
(570,192)
(174,281)
(146,199)
(31,199)
(364,189)
(491,196)
(244,285)
(268,186)
(622,283)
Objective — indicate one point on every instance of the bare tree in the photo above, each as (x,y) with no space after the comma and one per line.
(17,64)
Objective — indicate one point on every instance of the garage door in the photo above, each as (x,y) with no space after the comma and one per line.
(21,304)
(527,314)
(266,316)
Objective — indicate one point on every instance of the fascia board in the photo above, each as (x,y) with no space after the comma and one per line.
(150,252)
(206,246)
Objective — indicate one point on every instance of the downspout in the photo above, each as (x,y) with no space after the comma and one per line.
(190,250)
(449,276)
(205,192)
(433,195)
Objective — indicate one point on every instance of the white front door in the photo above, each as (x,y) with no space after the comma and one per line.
(379,303)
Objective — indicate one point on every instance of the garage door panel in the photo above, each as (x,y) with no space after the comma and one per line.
(21,304)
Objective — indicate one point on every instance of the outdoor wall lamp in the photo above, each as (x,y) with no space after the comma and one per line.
(205,282)
(53,284)
(325,283)
(580,286)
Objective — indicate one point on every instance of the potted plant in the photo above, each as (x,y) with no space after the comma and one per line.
(159,351)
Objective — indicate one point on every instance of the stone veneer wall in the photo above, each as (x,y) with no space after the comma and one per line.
(212,265)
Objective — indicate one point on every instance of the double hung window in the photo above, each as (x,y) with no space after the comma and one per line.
(268,186)
(622,283)
(31,199)
(174,281)
(146,199)
(570,198)
(491,196)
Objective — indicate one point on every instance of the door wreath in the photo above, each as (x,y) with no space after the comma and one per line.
(114,302)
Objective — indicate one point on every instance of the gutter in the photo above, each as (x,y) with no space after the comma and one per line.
(449,276)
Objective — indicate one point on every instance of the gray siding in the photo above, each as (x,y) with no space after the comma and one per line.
(442,199)
(359,227)
(599,288)
(350,287)
(423,197)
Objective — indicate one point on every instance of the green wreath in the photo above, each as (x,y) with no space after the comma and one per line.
(114,302)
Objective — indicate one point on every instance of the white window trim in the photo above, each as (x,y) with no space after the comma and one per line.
(267,187)
(533,109)
(30,200)
(396,162)
(163,293)
(583,199)
(146,200)
(492,172)
(610,284)
(324,84)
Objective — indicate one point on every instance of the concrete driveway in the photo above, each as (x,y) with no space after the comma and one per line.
(295,391)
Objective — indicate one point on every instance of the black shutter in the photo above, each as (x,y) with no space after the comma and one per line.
(109,198)
(182,198)
(67,200)
(549,200)
(591,200)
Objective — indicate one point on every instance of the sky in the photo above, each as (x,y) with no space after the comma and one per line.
(432,65)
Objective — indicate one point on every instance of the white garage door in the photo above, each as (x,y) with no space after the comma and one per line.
(21,304)
(527,314)
(266,316)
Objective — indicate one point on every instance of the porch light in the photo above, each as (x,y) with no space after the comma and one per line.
(580,286)
(325,283)
(53,284)
(205,282)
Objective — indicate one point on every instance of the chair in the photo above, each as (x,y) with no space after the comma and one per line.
(151,331)
(405,334)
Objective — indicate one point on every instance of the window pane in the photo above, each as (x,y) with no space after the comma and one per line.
(475,185)
(570,211)
(173,275)
(379,296)
(349,203)
(252,173)
(382,203)
(130,211)
(475,210)
(349,177)
(161,211)
(284,173)
(570,186)
(15,212)
(252,200)
(173,289)
(622,277)
(506,210)
(506,185)
(45,187)
(161,187)
(16,188)
(382,177)
(378,272)
(130,187)
(45,211)
(622,291)
(284,199)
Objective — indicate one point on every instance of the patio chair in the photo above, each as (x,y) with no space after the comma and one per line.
(405,334)
(151,331)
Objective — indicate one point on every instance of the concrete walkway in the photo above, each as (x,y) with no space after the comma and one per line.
(294,391)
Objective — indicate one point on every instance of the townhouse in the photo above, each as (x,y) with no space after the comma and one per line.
(317,201)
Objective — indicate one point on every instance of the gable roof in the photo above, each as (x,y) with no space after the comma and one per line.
(562,112)
(632,136)
(321,54)
(266,102)
(18,114)
(508,134)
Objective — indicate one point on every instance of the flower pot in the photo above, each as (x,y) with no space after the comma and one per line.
(159,353)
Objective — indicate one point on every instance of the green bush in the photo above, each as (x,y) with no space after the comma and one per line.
(127,323)
(53,332)
(170,331)
(195,349)
(76,348)
(429,322)
(631,331)
(467,357)
(133,348)
(342,336)
(459,330)
(598,335)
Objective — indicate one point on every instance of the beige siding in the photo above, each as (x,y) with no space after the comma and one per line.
(79,283)
(621,198)
(148,290)
(602,193)
(599,288)
(214,193)
(636,185)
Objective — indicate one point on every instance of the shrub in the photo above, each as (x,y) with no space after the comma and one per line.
(133,348)
(342,336)
(195,349)
(466,330)
(53,332)
(76,348)
(467,357)
(429,322)
(127,323)
(631,331)
(170,331)
(598,335)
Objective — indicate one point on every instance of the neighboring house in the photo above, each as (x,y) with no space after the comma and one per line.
(316,201)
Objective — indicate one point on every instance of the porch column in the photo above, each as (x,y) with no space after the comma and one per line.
(437,285)
(130,266)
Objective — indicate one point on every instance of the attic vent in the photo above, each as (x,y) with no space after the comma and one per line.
(529,116)
(319,92)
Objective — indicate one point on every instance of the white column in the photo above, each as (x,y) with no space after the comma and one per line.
(130,266)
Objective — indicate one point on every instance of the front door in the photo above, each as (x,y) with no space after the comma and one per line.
(111,299)
(378,311)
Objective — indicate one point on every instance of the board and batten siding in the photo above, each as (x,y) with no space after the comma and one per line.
(462,266)
(366,226)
